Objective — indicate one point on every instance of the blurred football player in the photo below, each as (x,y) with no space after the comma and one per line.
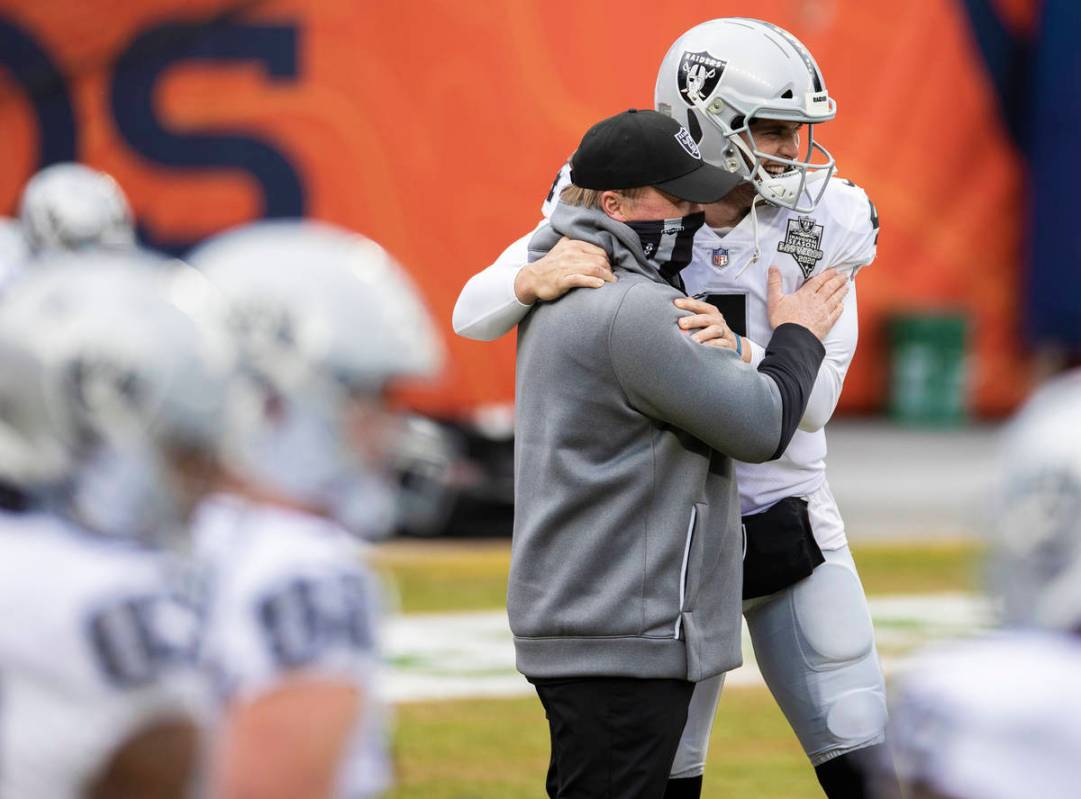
(70,207)
(13,250)
(99,685)
(749,93)
(316,312)
(999,716)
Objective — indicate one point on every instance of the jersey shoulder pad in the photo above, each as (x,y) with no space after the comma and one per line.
(848,205)
(562,180)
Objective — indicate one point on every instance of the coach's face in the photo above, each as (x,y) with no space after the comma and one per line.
(649,204)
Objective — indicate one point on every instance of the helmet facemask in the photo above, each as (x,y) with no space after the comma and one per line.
(741,154)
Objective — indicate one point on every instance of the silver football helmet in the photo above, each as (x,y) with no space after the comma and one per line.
(71,207)
(322,317)
(119,382)
(719,76)
(1035,554)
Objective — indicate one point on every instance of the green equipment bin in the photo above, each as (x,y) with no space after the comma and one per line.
(928,369)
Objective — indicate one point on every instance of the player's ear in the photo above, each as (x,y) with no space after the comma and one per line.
(614,204)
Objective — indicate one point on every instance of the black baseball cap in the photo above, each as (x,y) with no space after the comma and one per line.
(647,148)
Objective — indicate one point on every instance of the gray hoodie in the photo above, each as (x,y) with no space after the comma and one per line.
(626,556)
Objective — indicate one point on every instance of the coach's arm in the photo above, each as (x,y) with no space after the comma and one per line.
(747,413)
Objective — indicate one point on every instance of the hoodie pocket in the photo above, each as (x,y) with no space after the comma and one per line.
(684,572)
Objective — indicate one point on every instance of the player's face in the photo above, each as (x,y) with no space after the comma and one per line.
(652,204)
(776,137)
(195,473)
(372,429)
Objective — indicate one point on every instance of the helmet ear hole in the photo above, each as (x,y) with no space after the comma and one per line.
(737,122)
(694,127)
(787,95)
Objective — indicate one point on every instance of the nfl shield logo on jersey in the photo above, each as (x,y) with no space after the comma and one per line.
(720,257)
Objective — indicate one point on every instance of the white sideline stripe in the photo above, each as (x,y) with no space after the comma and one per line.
(456,655)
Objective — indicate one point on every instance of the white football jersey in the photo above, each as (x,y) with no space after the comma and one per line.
(731,270)
(288,592)
(94,646)
(993,718)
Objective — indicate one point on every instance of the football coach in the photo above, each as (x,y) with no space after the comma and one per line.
(625,578)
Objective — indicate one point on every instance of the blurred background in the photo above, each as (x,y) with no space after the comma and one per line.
(436,127)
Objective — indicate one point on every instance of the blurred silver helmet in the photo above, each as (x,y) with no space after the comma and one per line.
(69,207)
(120,376)
(321,316)
(722,74)
(1035,554)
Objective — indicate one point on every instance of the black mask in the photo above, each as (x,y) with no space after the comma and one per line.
(669,243)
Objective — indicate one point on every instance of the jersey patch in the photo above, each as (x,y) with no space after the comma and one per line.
(803,242)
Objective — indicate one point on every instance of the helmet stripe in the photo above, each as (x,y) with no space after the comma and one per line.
(801,51)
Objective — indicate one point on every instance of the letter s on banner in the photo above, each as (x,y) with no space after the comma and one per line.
(138,71)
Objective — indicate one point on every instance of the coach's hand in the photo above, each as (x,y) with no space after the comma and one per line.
(570,264)
(709,326)
(816,305)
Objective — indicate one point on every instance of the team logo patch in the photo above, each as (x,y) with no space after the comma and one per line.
(687,143)
(699,74)
(803,241)
(720,258)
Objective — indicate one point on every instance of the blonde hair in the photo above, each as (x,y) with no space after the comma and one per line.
(591,198)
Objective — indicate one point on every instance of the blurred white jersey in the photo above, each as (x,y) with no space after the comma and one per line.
(993,718)
(288,592)
(13,251)
(93,648)
(731,269)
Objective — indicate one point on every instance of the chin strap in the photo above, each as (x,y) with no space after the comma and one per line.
(754,226)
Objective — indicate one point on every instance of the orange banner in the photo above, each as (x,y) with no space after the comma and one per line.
(435,127)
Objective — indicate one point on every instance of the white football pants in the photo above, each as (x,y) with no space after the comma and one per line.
(815,647)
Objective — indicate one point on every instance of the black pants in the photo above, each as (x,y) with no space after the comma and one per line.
(612,737)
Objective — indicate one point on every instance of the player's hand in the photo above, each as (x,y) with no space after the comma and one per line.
(570,264)
(816,305)
(708,325)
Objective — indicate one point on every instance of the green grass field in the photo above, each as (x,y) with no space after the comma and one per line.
(498,748)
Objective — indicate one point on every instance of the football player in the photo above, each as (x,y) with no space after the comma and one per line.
(99,685)
(13,250)
(956,733)
(751,94)
(316,313)
(71,207)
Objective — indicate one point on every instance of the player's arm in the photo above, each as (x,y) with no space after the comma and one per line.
(158,760)
(495,300)
(287,741)
(840,344)
(859,218)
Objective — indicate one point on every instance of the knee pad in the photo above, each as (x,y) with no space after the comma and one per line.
(831,613)
(857,717)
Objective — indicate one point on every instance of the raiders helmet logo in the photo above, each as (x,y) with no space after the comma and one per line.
(699,74)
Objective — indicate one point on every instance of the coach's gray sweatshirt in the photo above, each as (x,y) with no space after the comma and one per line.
(626,556)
